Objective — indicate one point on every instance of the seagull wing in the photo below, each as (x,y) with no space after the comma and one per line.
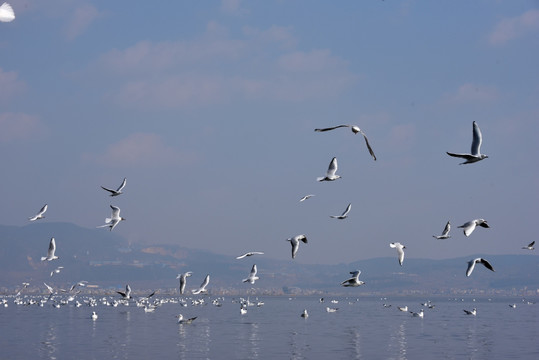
(242,256)
(471,266)
(477,139)
(332,169)
(331,128)
(122,186)
(487,264)
(115,212)
(345,213)
(253,271)
(52,248)
(43,209)
(446,229)
(468,227)
(368,146)
(6,13)
(109,190)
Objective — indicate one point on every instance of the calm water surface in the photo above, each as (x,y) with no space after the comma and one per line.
(361,329)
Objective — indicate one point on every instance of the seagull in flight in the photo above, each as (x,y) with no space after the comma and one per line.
(445,233)
(202,288)
(252,276)
(475,155)
(306,197)
(183,280)
(181,320)
(400,251)
(530,246)
(251,253)
(127,293)
(114,218)
(50,253)
(354,280)
(39,215)
(57,270)
(471,265)
(469,227)
(6,13)
(294,241)
(344,214)
(330,174)
(355,129)
(471,312)
(117,191)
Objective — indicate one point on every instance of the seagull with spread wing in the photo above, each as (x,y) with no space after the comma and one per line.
(118,191)
(475,154)
(355,129)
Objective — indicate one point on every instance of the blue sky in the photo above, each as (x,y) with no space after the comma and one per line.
(208,109)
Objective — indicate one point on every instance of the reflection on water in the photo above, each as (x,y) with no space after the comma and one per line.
(48,344)
(397,342)
(355,342)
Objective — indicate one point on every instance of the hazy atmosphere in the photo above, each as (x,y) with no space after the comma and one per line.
(208,108)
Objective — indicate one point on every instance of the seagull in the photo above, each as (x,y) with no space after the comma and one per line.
(251,253)
(39,214)
(355,129)
(94,316)
(471,265)
(117,191)
(445,233)
(252,276)
(202,288)
(471,312)
(127,293)
(6,13)
(344,214)
(57,270)
(530,246)
(418,314)
(306,197)
(24,286)
(304,314)
(50,253)
(403,308)
(354,280)
(475,150)
(400,251)
(183,280)
(181,320)
(331,310)
(50,289)
(294,241)
(469,227)
(513,306)
(114,218)
(330,174)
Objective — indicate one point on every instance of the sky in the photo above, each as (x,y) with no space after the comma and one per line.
(208,109)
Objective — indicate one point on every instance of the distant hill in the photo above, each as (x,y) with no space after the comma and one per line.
(105,259)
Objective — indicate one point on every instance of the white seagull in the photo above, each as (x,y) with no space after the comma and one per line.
(127,293)
(117,191)
(294,241)
(400,251)
(355,129)
(114,218)
(183,280)
(530,246)
(305,314)
(354,280)
(403,308)
(6,13)
(475,150)
(471,265)
(330,174)
(250,253)
(94,316)
(471,312)
(39,215)
(202,288)
(181,320)
(344,214)
(50,253)
(469,227)
(418,314)
(57,270)
(445,233)
(306,197)
(252,276)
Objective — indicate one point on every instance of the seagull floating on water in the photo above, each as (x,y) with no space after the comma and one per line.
(445,233)
(251,253)
(419,314)
(202,288)
(116,192)
(127,293)
(306,197)
(470,226)
(183,280)
(400,251)
(354,280)
(403,308)
(181,320)
(471,265)
(39,215)
(355,129)
(330,174)
(294,241)
(252,276)
(304,314)
(344,214)
(530,246)
(114,218)
(331,310)
(94,316)
(475,155)
(50,253)
(471,312)
(6,13)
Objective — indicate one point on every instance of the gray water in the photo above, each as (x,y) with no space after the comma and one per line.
(361,329)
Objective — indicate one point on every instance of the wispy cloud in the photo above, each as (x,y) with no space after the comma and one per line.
(19,126)
(510,28)
(80,19)
(140,149)
(10,85)
(233,7)
(473,93)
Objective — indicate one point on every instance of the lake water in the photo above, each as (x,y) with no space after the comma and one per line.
(360,329)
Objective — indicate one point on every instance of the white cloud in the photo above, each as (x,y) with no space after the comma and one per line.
(19,126)
(313,61)
(10,85)
(233,7)
(510,28)
(80,20)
